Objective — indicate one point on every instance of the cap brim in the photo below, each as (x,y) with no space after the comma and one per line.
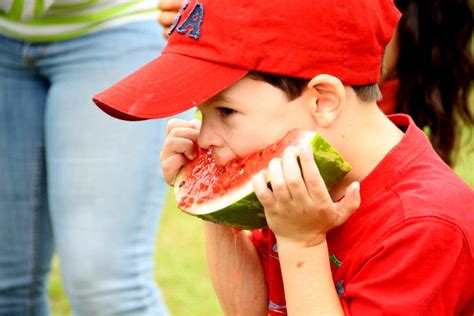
(168,85)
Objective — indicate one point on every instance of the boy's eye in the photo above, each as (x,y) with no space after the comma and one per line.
(223,111)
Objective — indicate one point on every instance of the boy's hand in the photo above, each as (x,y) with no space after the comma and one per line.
(299,208)
(168,11)
(179,147)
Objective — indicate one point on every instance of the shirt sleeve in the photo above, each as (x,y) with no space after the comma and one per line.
(24,10)
(420,267)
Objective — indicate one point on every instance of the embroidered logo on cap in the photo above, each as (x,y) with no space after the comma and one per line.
(192,25)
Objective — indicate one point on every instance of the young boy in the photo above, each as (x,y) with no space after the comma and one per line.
(257,69)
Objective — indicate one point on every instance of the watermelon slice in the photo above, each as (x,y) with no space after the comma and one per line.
(224,193)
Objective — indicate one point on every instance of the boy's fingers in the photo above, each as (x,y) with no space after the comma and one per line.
(178,145)
(176,123)
(184,132)
(196,123)
(263,193)
(171,167)
(292,173)
(277,180)
(349,204)
(312,178)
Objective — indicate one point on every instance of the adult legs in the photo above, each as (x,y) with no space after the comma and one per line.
(104,183)
(25,233)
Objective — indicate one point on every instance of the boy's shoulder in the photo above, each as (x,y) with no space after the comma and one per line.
(413,233)
(424,199)
(411,187)
(429,191)
(431,198)
(413,230)
(434,189)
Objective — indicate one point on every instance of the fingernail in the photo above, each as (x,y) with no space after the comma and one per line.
(257,177)
(195,122)
(356,186)
(274,161)
(291,150)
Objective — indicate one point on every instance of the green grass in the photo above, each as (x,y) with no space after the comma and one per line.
(59,304)
(180,264)
(465,160)
(181,268)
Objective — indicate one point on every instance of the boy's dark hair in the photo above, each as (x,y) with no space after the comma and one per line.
(293,87)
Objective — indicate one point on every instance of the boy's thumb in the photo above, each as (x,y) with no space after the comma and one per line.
(350,203)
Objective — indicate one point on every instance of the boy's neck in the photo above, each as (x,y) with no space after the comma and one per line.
(365,137)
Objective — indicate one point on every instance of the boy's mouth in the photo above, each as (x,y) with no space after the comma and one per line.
(221,156)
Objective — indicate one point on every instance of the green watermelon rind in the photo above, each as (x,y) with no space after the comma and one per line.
(248,213)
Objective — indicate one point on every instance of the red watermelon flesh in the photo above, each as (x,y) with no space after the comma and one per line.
(206,180)
(224,193)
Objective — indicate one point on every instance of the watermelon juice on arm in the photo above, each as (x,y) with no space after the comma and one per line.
(224,194)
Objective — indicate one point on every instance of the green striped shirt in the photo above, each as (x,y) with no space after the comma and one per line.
(55,20)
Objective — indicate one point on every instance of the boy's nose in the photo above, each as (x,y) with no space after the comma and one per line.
(208,137)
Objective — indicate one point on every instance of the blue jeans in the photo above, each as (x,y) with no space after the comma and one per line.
(75,180)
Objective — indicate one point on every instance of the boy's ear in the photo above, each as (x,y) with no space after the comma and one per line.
(328,99)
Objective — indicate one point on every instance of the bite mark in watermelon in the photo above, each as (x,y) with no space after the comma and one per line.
(224,193)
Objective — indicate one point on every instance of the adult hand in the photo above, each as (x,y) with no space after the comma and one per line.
(168,11)
(298,206)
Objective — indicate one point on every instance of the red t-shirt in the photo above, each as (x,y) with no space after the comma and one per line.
(389,91)
(408,249)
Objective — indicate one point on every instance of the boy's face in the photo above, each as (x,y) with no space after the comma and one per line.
(248,116)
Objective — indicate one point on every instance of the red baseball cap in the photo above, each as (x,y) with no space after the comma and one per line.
(214,43)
